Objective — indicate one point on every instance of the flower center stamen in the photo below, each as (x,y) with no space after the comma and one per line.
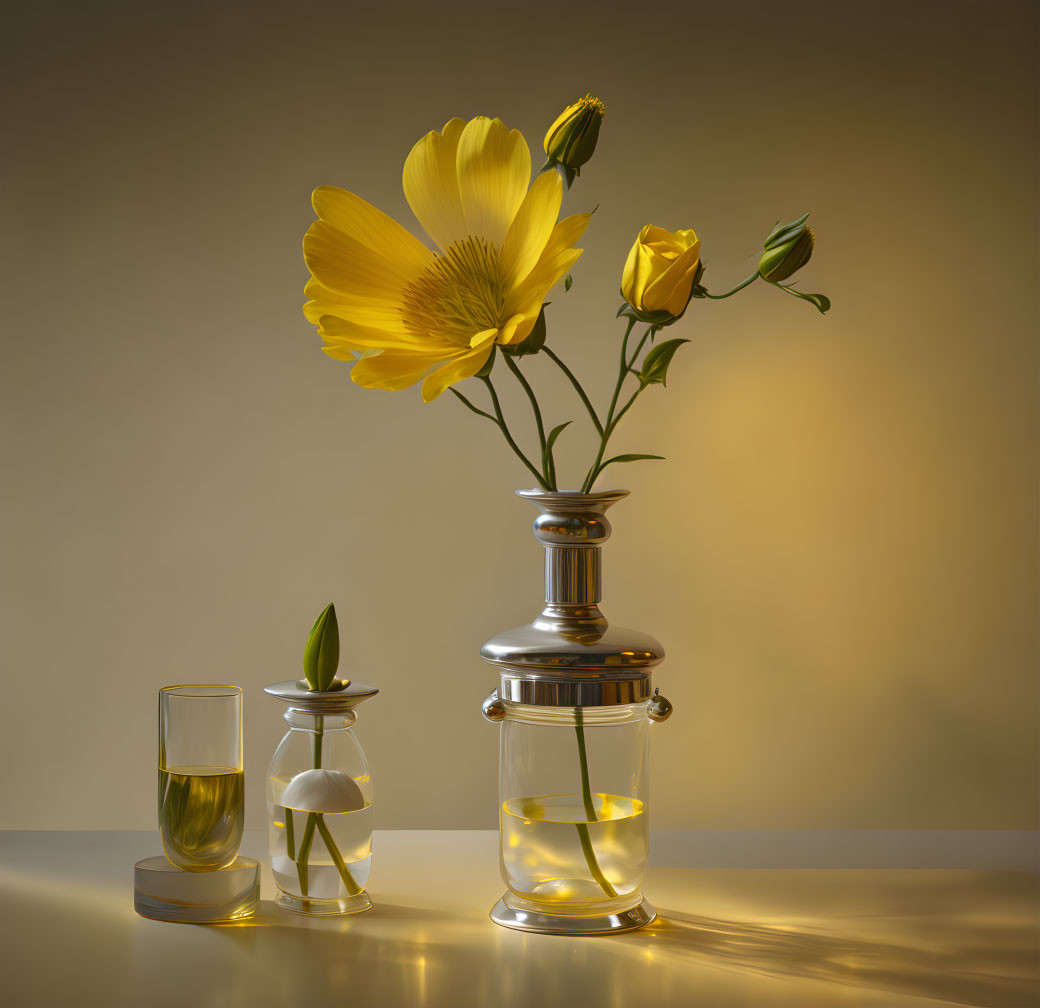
(458,295)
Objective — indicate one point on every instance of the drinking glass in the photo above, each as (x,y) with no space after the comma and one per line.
(201,776)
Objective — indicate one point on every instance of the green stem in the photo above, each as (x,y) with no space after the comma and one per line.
(639,348)
(319,735)
(583,760)
(290,839)
(577,388)
(624,409)
(302,862)
(740,286)
(501,421)
(305,851)
(515,368)
(465,402)
(590,810)
(341,866)
(623,370)
(590,860)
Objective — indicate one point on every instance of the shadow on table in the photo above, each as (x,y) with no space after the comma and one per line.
(986,967)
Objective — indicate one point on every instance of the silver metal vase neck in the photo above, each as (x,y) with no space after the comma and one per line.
(569,655)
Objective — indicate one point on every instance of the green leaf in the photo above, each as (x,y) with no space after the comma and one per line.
(535,338)
(555,433)
(548,462)
(623,458)
(568,280)
(655,364)
(654,318)
(821,301)
(321,652)
(629,458)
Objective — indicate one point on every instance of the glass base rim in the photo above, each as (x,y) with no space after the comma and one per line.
(163,892)
(560,924)
(325,907)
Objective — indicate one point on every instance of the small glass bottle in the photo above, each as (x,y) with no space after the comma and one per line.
(319,803)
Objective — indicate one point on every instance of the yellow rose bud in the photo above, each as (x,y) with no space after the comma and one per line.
(661,270)
(787,250)
(571,140)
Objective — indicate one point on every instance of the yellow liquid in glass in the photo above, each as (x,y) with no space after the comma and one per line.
(545,860)
(201,814)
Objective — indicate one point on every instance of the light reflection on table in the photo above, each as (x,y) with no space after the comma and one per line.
(724,938)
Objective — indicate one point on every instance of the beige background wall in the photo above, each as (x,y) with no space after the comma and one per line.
(839,553)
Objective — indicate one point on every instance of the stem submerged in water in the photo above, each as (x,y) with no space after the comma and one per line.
(583,760)
(590,860)
(590,809)
(303,860)
(316,820)
(341,866)
(290,840)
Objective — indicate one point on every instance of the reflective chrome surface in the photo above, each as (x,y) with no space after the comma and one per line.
(559,924)
(335,702)
(493,708)
(569,655)
(659,708)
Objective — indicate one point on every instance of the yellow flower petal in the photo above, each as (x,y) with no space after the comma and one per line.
(519,326)
(494,171)
(374,315)
(371,227)
(321,302)
(465,366)
(670,291)
(332,328)
(342,265)
(531,228)
(636,274)
(431,185)
(338,351)
(482,336)
(393,370)
(556,259)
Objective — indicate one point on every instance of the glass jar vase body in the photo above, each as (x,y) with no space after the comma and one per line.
(574,808)
(320,807)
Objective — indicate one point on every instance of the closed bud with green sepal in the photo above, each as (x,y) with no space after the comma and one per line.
(571,140)
(321,652)
(787,250)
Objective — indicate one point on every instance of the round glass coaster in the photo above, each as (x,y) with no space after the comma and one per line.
(166,893)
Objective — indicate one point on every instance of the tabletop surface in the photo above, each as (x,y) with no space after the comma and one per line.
(735,937)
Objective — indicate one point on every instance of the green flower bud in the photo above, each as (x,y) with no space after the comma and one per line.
(321,652)
(787,250)
(571,140)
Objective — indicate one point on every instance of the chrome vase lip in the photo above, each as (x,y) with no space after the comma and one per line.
(311,702)
(569,655)
(602,499)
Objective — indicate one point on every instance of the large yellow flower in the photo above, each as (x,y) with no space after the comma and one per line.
(376,287)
